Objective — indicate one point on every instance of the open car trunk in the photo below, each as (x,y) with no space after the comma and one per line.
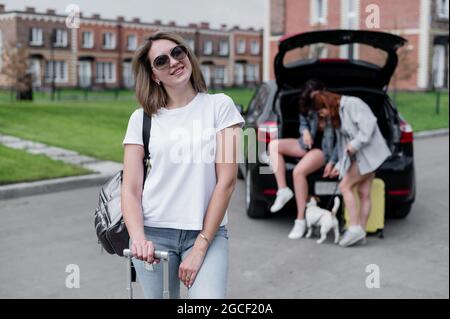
(292,69)
(343,76)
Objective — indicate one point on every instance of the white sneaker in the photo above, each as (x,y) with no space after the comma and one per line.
(265,159)
(283,196)
(352,236)
(298,230)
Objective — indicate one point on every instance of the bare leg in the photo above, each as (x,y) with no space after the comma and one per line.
(364,189)
(311,162)
(278,148)
(352,178)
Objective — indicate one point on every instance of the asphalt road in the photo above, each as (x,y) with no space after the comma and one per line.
(41,235)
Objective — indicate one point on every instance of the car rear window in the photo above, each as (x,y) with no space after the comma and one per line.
(356,52)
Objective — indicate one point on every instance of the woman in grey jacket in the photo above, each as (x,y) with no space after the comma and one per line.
(361,150)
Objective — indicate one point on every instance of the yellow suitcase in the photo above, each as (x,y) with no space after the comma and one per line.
(375,224)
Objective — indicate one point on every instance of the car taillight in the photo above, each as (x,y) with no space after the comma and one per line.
(267,131)
(399,192)
(407,134)
(270,191)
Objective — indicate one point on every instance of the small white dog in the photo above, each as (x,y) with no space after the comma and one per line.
(319,217)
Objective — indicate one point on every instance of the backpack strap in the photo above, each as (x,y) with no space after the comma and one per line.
(146,127)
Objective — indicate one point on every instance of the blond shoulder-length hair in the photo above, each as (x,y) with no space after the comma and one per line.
(149,94)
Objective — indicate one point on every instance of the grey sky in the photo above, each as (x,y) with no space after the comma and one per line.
(245,13)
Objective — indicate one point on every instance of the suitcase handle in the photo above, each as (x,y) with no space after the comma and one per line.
(158,254)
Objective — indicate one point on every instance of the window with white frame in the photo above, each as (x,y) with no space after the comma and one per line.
(223,48)
(252,72)
(128,79)
(87,39)
(132,42)
(60,38)
(238,74)
(206,73)
(109,40)
(105,72)
(36,37)
(56,69)
(34,68)
(439,66)
(191,44)
(254,47)
(350,14)
(207,47)
(241,46)
(220,76)
(442,8)
(319,11)
(350,20)
(84,73)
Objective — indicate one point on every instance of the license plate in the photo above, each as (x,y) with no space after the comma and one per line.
(326,188)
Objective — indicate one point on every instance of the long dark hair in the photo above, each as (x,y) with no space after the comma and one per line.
(305,101)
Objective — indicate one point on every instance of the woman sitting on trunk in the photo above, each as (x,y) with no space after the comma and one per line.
(316,147)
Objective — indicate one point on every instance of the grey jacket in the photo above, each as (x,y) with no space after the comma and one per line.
(329,145)
(359,128)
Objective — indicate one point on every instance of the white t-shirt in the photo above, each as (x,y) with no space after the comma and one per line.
(182,150)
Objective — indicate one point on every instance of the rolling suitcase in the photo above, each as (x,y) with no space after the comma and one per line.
(375,223)
(163,256)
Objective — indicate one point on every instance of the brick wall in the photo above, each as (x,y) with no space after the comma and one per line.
(401,17)
(50,21)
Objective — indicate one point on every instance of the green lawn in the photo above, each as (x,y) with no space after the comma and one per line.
(19,166)
(93,128)
(419,109)
(90,128)
(96,127)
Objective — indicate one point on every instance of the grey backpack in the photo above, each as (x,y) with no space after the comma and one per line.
(110,226)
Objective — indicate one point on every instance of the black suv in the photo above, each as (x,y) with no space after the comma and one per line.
(273,113)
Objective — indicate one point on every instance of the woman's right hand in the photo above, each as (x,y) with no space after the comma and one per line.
(143,249)
(307,139)
(334,172)
(327,170)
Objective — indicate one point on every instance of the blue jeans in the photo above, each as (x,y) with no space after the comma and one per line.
(211,280)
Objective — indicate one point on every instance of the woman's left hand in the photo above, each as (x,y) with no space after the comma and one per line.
(191,265)
(350,149)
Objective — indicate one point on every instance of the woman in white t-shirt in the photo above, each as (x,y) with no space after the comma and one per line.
(182,208)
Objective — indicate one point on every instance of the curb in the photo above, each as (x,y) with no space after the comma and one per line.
(432,133)
(51,185)
(103,171)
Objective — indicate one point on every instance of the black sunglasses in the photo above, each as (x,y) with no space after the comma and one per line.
(163,61)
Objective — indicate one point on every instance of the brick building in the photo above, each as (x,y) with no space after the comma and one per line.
(423,62)
(99,53)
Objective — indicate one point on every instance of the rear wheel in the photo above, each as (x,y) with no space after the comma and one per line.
(399,211)
(254,208)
